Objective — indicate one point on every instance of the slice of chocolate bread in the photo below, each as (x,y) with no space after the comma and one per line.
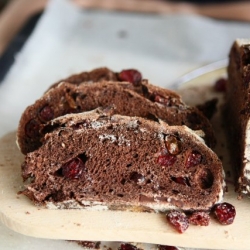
(96,161)
(237,111)
(143,100)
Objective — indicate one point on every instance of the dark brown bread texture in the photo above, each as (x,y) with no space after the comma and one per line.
(96,161)
(237,111)
(140,99)
(95,75)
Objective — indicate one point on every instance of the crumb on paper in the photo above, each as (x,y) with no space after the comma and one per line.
(122,34)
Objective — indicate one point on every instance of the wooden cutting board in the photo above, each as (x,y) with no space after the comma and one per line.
(19,214)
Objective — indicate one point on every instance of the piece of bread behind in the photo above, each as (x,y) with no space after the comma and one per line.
(237,111)
(143,100)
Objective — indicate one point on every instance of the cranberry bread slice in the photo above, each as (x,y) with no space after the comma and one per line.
(237,111)
(128,100)
(97,161)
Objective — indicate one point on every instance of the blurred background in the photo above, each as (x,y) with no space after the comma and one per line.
(15,14)
(194,31)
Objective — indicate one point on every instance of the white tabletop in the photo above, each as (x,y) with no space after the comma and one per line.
(69,40)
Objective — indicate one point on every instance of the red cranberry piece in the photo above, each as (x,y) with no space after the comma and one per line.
(32,128)
(137,178)
(220,85)
(46,113)
(181,180)
(162,247)
(199,218)
(178,220)
(172,144)
(166,160)
(73,169)
(126,246)
(194,158)
(225,213)
(130,75)
(160,99)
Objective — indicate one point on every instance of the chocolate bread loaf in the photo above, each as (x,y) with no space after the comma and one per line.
(140,99)
(237,111)
(94,160)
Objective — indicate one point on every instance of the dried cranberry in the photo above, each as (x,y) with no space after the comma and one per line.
(199,218)
(73,169)
(172,144)
(46,114)
(220,85)
(127,246)
(137,178)
(130,75)
(181,180)
(194,158)
(162,247)
(225,213)
(166,160)
(178,220)
(32,128)
(160,99)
